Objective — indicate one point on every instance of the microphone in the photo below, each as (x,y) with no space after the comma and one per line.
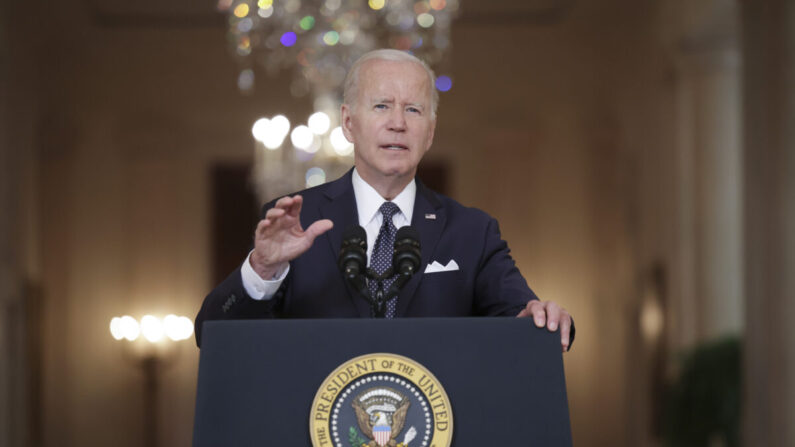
(353,255)
(405,260)
(352,262)
(407,256)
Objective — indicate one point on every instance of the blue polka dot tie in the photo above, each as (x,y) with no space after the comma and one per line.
(381,259)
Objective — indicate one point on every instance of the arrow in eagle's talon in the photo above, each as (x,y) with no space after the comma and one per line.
(409,436)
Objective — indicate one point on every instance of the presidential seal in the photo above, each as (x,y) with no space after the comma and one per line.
(381,400)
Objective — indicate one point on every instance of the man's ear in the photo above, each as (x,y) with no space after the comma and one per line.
(432,133)
(346,122)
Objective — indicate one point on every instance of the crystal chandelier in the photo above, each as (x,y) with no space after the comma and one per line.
(317,41)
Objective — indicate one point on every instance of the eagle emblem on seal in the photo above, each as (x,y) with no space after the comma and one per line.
(381,416)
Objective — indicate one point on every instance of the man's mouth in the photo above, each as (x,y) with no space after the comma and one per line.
(394,147)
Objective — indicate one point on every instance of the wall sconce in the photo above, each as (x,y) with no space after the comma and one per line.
(153,329)
(150,344)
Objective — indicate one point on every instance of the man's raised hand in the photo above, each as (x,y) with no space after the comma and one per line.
(279,237)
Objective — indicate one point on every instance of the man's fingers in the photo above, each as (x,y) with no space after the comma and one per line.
(539,313)
(261,227)
(275,213)
(283,203)
(265,225)
(294,209)
(535,309)
(565,330)
(319,227)
(286,206)
(553,316)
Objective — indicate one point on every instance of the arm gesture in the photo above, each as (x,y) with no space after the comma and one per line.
(279,237)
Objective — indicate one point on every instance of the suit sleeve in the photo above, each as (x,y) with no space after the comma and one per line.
(500,288)
(229,300)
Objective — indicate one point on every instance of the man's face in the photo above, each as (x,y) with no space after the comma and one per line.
(390,123)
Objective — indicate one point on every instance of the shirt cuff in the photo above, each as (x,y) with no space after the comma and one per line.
(258,288)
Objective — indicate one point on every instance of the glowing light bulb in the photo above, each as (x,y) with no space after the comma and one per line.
(315,176)
(288,39)
(302,137)
(274,132)
(331,38)
(152,328)
(421,7)
(425,20)
(444,83)
(273,140)
(129,327)
(340,144)
(348,36)
(241,10)
(115,328)
(281,125)
(260,129)
(171,326)
(307,23)
(185,328)
(319,123)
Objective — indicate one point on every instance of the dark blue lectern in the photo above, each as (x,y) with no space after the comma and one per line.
(258,379)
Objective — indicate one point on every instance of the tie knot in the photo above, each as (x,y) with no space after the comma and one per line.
(388,209)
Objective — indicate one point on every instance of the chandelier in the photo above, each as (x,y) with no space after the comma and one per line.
(318,41)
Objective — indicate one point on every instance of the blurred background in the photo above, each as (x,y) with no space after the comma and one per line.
(639,156)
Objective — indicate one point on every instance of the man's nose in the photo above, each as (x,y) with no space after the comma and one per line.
(397,120)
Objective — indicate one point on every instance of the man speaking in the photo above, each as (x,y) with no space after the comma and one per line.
(389,114)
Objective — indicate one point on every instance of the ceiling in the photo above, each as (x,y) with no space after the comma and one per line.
(199,13)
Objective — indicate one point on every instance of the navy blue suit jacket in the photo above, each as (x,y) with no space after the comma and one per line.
(487,282)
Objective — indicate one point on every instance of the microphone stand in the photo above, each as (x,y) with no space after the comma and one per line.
(353,259)
(378,302)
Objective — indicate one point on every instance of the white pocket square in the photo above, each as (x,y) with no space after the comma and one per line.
(435,267)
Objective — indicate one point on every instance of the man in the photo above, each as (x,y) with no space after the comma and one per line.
(389,114)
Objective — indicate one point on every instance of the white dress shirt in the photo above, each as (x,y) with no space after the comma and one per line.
(368,201)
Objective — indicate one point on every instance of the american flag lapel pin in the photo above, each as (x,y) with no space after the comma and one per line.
(430,216)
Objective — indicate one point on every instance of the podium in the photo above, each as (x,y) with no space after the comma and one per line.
(263,382)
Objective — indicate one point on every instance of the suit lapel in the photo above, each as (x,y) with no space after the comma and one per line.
(340,208)
(429,219)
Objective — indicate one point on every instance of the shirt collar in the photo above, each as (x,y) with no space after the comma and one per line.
(368,200)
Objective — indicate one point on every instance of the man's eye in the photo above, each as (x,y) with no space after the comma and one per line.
(380,106)
(413,110)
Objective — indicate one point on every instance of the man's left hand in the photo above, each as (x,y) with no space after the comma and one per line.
(549,314)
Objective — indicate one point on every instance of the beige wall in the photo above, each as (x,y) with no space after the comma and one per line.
(134,119)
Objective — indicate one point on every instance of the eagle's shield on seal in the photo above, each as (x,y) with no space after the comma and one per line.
(381,414)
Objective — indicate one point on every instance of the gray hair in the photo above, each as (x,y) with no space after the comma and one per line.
(351,85)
